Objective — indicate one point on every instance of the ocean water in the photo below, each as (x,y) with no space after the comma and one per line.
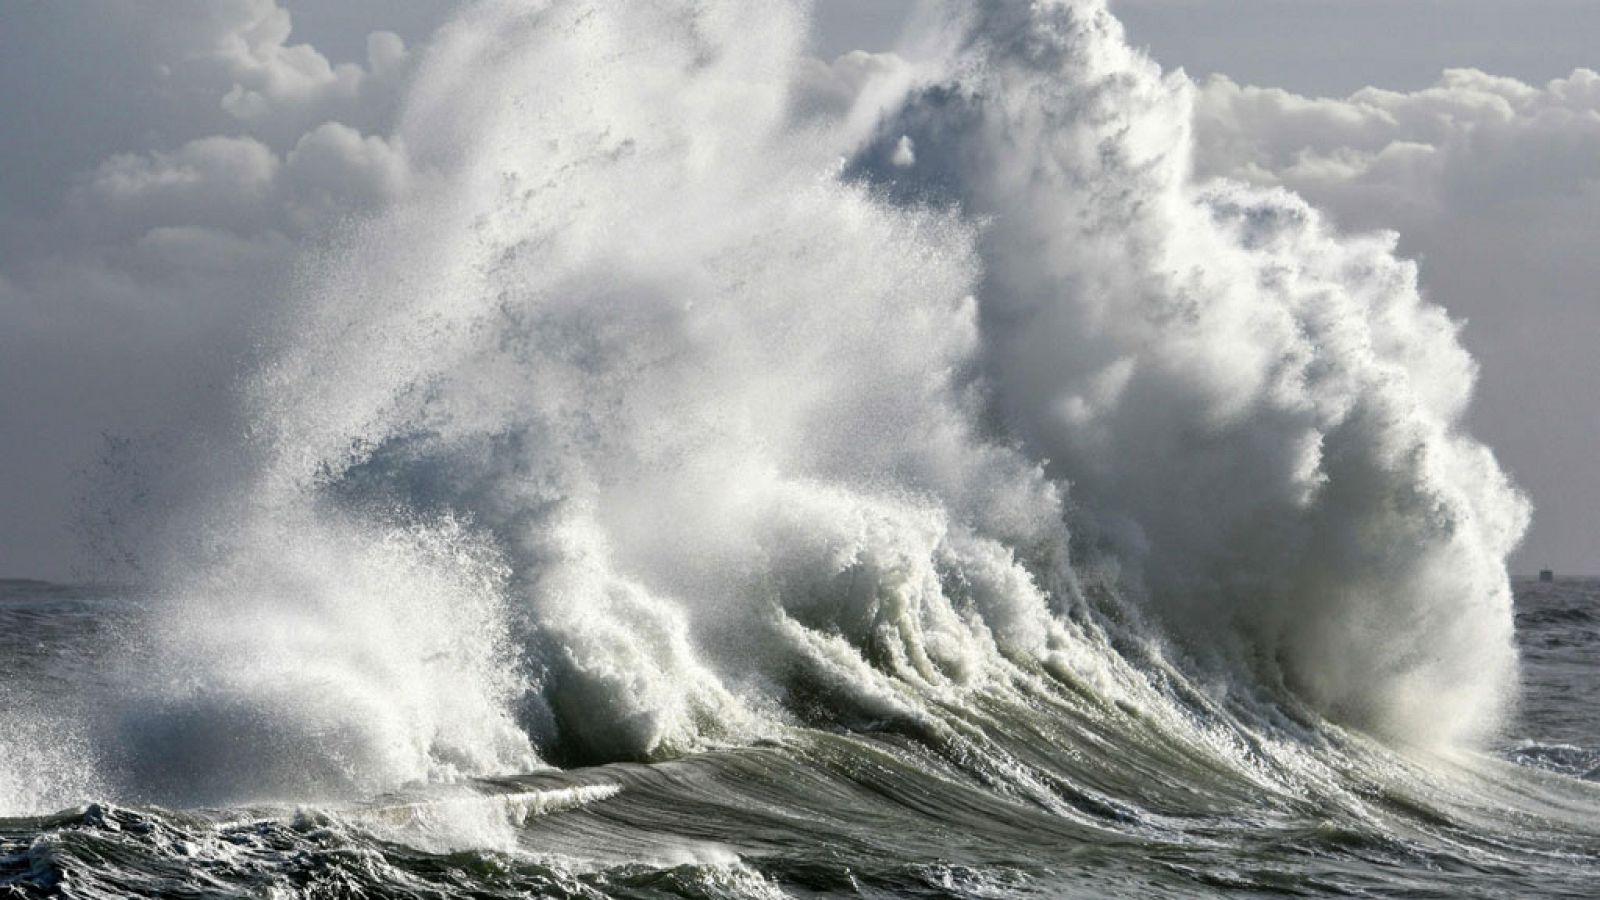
(1054,796)
(722,473)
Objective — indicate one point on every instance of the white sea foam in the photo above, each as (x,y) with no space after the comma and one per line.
(472,819)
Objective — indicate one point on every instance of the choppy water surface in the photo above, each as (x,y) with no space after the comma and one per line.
(1055,795)
(710,471)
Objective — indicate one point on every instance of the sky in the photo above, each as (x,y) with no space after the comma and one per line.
(156,174)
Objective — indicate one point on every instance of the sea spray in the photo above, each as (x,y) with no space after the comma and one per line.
(319,657)
(1263,415)
(642,425)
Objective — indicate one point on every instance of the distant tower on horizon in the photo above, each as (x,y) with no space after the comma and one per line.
(1547,575)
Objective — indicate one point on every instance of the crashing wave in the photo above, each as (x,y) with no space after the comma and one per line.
(645,423)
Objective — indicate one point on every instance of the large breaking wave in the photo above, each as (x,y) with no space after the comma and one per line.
(673,408)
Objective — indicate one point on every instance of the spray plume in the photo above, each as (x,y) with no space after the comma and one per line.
(644,423)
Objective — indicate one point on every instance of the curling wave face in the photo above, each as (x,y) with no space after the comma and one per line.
(661,417)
